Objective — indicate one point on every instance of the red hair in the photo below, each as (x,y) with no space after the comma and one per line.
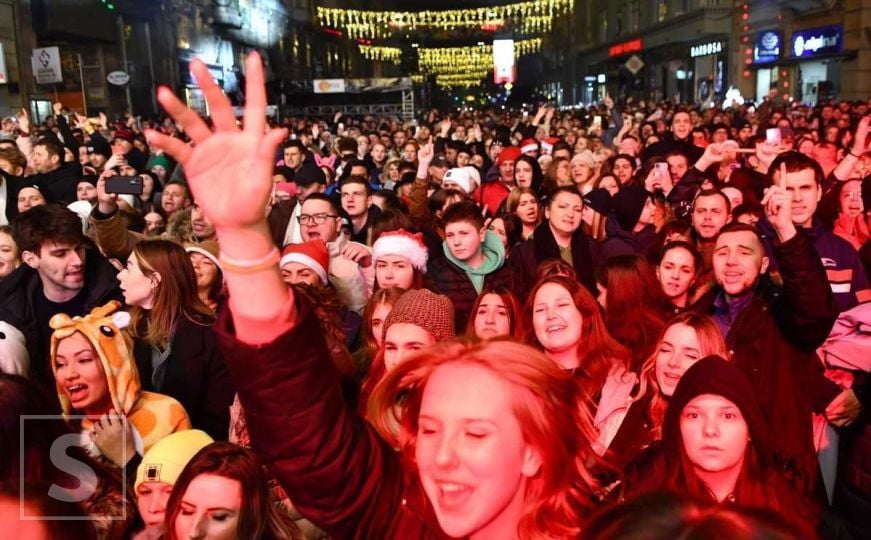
(635,304)
(543,395)
(710,343)
(598,352)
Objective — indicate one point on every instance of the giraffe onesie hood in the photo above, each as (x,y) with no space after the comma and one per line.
(153,416)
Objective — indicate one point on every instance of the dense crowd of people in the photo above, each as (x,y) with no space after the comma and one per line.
(633,318)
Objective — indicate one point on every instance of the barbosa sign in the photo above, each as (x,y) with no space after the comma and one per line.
(706,49)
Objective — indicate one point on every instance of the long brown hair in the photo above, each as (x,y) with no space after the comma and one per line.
(710,343)
(636,306)
(598,352)
(512,306)
(259,518)
(374,354)
(561,493)
(176,294)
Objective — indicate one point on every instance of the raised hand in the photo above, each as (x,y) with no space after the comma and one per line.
(229,170)
(114,438)
(23,120)
(425,154)
(860,142)
(778,207)
(57,108)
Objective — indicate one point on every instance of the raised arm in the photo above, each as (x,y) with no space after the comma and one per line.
(229,171)
(334,467)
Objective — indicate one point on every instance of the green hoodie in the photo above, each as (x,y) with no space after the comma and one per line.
(494,258)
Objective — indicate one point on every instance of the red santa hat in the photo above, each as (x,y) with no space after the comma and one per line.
(528,145)
(508,154)
(312,254)
(547,145)
(403,243)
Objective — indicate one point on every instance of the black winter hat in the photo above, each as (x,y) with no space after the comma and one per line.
(628,205)
(599,200)
(714,375)
(99,145)
(309,174)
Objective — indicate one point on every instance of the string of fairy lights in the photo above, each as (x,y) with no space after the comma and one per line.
(530,17)
(451,66)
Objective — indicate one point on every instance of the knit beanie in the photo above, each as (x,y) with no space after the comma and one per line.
(628,205)
(403,243)
(599,200)
(714,375)
(460,177)
(508,154)
(585,157)
(426,309)
(208,249)
(99,145)
(312,254)
(159,160)
(123,133)
(165,461)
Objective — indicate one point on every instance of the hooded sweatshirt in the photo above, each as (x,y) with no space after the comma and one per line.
(494,258)
(152,416)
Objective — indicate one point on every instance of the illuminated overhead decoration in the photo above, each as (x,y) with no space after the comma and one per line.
(382,54)
(534,16)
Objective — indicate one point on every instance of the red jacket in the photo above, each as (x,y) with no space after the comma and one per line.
(334,467)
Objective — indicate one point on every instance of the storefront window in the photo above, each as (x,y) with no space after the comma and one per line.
(661,10)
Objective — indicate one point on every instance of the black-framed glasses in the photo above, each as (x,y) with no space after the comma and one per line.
(318,219)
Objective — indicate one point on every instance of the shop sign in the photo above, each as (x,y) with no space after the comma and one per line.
(706,49)
(46,65)
(767,48)
(329,86)
(626,47)
(4,76)
(590,78)
(634,64)
(816,41)
(118,78)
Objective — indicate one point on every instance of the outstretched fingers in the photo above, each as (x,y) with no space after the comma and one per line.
(190,121)
(220,108)
(255,95)
(179,150)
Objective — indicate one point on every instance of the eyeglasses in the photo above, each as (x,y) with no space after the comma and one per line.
(318,219)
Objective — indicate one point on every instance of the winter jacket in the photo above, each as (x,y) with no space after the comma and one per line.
(364,235)
(279,220)
(117,241)
(449,277)
(844,270)
(336,469)
(60,184)
(670,144)
(543,247)
(17,296)
(773,340)
(613,406)
(10,185)
(353,283)
(195,374)
(623,242)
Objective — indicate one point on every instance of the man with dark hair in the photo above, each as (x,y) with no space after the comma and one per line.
(804,179)
(56,179)
(356,196)
(294,153)
(176,196)
(680,138)
(473,259)
(62,273)
(773,332)
(350,270)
